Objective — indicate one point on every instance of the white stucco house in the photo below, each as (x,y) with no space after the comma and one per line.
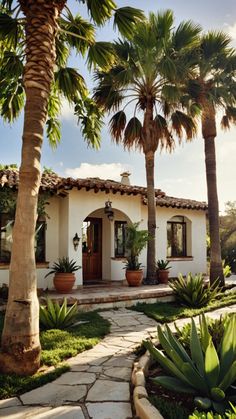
(97,211)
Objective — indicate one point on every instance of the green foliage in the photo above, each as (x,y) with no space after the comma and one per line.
(57,345)
(54,316)
(135,242)
(226,269)
(192,291)
(229,414)
(74,33)
(163,265)
(205,373)
(169,312)
(228,235)
(169,409)
(215,326)
(65,265)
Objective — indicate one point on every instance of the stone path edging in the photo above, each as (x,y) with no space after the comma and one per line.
(98,384)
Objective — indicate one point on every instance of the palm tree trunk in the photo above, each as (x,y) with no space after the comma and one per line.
(149,151)
(151,204)
(20,346)
(209,134)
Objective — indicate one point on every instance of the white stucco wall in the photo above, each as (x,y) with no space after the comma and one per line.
(196,239)
(67,216)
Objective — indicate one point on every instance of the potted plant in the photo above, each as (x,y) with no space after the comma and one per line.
(135,242)
(163,270)
(64,277)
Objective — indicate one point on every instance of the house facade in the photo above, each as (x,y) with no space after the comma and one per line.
(97,212)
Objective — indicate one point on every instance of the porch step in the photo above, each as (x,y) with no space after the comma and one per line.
(100,298)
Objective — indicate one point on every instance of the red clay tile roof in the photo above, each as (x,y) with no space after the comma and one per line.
(58,185)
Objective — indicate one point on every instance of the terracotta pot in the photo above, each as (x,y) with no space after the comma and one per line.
(64,282)
(134,278)
(163,276)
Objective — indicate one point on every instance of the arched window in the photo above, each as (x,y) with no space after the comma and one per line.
(178,237)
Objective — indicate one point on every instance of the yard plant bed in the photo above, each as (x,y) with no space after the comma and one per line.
(57,346)
(169,312)
(171,405)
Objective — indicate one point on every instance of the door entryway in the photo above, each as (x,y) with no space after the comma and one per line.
(92,250)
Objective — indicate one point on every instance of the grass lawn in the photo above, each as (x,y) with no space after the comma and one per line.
(169,312)
(57,346)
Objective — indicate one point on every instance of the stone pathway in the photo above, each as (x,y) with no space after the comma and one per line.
(98,384)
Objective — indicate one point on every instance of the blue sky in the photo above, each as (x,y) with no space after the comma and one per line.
(180,174)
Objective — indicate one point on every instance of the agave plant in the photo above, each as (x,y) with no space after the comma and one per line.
(192,291)
(205,373)
(54,316)
(64,265)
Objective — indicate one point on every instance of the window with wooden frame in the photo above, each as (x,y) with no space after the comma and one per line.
(6,226)
(120,234)
(176,237)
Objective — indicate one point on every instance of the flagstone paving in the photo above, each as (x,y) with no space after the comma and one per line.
(97,386)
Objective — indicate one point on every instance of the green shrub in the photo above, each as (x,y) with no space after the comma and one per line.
(54,316)
(216,328)
(204,373)
(229,414)
(192,291)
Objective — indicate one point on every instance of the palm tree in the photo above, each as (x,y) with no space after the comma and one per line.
(213,88)
(44,31)
(147,75)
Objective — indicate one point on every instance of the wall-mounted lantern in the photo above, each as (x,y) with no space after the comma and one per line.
(76,240)
(108,210)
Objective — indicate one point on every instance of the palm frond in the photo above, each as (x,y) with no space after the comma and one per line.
(70,83)
(126,18)
(117,125)
(62,50)
(106,94)
(80,34)
(213,44)
(229,118)
(12,99)
(10,30)
(133,134)
(11,65)
(100,10)
(162,24)
(181,123)
(90,118)
(53,131)
(101,54)
(186,35)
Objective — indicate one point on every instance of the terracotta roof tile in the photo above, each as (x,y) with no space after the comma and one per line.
(59,185)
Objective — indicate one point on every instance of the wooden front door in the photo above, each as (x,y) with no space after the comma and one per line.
(92,249)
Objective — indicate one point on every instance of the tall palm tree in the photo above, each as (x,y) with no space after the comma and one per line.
(213,89)
(147,75)
(40,27)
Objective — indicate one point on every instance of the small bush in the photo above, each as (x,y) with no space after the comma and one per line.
(192,291)
(216,329)
(54,316)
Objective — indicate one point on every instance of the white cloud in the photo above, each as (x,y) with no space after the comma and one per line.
(103,171)
(231,29)
(67,111)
